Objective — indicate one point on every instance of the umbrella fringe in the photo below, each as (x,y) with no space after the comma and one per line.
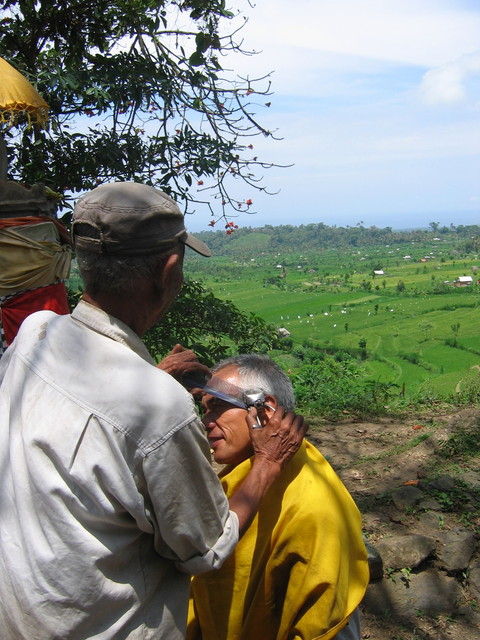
(11,113)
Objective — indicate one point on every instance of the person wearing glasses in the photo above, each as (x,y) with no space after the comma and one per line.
(300,570)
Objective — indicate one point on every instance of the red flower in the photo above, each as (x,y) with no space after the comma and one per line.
(249,201)
(200,182)
(211,223)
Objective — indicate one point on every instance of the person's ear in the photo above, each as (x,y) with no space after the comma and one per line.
(164,271)
(169,265)
(267,413)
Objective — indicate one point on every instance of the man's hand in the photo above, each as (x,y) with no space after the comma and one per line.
(181,363)
(280,438)
(274,446)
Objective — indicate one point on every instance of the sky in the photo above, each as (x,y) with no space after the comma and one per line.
(377,103)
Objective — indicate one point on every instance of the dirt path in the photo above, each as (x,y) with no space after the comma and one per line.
(375,458)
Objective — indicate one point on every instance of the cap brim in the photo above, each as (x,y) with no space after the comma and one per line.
(197,245)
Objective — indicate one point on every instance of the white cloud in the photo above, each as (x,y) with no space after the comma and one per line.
(447,84)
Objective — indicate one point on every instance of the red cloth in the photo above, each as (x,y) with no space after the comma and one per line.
(16,308)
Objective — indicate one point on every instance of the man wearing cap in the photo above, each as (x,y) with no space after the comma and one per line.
(108,501)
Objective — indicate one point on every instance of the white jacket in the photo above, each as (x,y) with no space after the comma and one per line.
(107,497)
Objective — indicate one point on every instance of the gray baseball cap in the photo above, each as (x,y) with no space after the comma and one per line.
(130,219)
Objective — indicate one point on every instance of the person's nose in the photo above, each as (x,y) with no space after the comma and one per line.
(208,422)
(211,426)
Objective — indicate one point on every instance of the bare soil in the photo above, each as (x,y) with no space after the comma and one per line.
(375,458)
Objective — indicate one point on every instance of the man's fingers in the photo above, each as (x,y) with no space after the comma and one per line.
(299,424)
(252,417)
(177,349)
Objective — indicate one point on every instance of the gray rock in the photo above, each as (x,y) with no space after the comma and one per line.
(405,551)
(406,497)
(375,563)
(442,483)
(474,580)
(430,592)
(455,549)
(471,477)
(429,520)
(430,504)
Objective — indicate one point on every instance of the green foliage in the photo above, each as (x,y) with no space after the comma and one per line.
(149,73)
(414,357)
(469,392)
(290,239)
(464,443)
(331,386)
(73,297)
(211,327)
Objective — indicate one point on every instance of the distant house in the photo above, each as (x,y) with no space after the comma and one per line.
(463,281)
(379,272)
(284,332)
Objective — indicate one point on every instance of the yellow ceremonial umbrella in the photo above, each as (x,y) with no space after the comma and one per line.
(17,98)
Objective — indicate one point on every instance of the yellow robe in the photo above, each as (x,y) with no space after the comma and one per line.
(298,572)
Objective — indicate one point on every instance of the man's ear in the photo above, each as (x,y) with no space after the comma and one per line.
(165,269)
(267,413)
(169,264)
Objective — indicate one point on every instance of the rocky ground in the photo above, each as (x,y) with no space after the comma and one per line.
(417,484)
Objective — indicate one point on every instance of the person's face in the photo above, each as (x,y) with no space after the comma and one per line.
(226,425)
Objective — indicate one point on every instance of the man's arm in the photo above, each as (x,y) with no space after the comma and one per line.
(274,446)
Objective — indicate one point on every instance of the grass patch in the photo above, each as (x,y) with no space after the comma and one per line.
(397,449)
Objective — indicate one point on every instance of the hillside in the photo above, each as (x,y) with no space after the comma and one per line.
(398,297)
(304,238)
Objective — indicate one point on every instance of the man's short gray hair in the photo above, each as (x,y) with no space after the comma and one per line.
(257,372)
(118,275)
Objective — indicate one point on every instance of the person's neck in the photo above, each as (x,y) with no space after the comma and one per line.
(132,311)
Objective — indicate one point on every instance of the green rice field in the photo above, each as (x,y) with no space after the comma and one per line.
(421,331)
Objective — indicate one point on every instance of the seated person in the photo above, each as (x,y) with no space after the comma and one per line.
(300,570)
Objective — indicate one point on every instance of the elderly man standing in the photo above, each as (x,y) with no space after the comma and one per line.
(108,501)
(301,569)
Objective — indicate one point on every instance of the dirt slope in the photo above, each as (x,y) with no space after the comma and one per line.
(375,458)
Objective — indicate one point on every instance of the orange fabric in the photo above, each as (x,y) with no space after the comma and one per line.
(16,308)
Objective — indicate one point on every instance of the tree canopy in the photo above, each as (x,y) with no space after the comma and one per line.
(149,74)
(213,328)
